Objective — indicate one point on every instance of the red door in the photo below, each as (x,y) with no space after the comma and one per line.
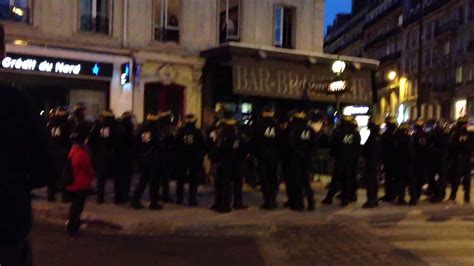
(159,97)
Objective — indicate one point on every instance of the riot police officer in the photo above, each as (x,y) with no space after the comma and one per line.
(372,155)
(190,151)
(78,119)
(461,148)
(166,150)
(147,139)
(104,142)
(404,153)
(302,140)
(345,147)
(438,161)
(267,133)
(126,156)
(421,156)
(388,159)
(60,130)
(228,178)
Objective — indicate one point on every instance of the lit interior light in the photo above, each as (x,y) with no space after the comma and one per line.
(18,11)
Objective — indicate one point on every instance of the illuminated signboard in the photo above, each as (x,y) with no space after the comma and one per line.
(59,66)
(338,86)
(125,75)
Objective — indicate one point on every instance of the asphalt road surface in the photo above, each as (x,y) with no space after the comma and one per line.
(51,246)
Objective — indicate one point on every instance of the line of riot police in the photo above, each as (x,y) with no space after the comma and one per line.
(278,150)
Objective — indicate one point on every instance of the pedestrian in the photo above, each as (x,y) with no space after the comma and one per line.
(190,158)
(302,140)
(421,148)
(82,173)
(372,156)
(166,153)
(126,156)
(147,140)
(404,162)
(388,159)
(461,145)
(229,180)
(26,164)
(60,131)
(104,143)
(345,146)
(266,150)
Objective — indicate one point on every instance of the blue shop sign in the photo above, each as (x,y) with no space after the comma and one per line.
(58,66)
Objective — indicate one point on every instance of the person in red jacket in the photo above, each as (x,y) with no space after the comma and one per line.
(83,174)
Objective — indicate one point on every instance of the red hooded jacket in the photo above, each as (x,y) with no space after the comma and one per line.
(82,169)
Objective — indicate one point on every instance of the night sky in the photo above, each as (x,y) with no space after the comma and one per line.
(333,7)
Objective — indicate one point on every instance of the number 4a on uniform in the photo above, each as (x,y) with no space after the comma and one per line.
(305,135)
(270,132)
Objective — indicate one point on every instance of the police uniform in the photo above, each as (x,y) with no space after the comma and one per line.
(404,152)
(60,131)
(461,148)
(388,160)
(345,147)
(438,162)
(126,156)
(190,154)
(372,155)
(147,139)
(104,142)
(166,154)
(302,140)
(421,148)
(228,176)
(267,133)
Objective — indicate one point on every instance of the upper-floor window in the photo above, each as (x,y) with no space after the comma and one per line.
(16,10)
(284,27)
(229,20)
(166,21)
(459,75)
(95,15)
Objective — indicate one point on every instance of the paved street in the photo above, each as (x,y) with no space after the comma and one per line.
(428,234)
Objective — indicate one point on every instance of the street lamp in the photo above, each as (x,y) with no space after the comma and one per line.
(392,75)
(338,67)
(338,87)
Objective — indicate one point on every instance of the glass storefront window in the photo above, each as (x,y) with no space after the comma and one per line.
(15,10)
(95,16)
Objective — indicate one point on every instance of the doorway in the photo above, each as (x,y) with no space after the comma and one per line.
(159,97)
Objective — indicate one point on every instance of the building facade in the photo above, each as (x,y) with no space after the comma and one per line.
(139,55)
(392,35)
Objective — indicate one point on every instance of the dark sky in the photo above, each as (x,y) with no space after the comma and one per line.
(333,7)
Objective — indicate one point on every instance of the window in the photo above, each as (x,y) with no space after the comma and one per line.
(229,20)
(15,10)
(95,15)
(284,27)
(447,48)
(470,74)
(459,74)
(166,20)
(461,15)
(400,20)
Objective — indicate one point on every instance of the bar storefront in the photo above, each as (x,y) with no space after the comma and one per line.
(244,78)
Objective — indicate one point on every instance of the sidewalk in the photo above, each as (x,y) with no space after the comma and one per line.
(173,218)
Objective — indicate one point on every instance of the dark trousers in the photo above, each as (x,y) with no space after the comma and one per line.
(16,254)
(303,183)
(165,174)
(77,206)
(269,181)
(390,187)
(124,180)
(437,177)
(371,182)
(148,176)
(462,171)
(419,178)
(59,158)
(190,175)
(404,180)
(228,185)
(105,171)
(290,182)
(344,174)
